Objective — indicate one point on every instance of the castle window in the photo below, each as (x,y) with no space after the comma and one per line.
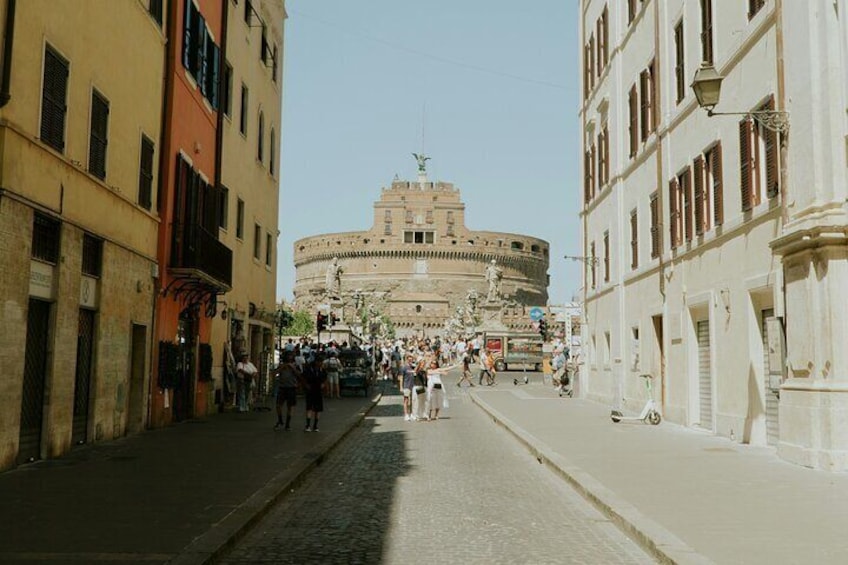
(535,248)
(418,237)
(517,245)
(418,308)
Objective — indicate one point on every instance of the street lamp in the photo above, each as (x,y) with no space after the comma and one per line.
(588,260)
(707,88)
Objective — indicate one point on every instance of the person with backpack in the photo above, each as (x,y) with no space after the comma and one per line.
(332,367)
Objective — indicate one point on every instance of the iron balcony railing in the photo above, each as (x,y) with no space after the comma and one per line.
(196,248)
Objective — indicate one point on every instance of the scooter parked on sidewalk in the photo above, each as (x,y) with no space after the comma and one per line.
(649,414)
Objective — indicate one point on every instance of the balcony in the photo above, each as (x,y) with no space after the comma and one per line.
(199,254)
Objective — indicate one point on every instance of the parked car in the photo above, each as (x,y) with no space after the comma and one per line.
(356,373)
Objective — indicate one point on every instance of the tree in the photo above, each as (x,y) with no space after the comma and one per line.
(302,323)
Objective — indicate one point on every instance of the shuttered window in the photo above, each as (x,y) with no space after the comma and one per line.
(587,178)
(227,102)
(655,225)
(634,240)
(745,164)
(92,256)
(586,88)
(674,212)
(679,62)
(592,61)
(771,150)
(260,141)
(700,195)
(654,99)
(269,249)
(755,6)
(606,257)
(223,207)
(717,179)
(606,155)
(603,163)
(685,182)
(243,119)
(633,104)
(645,111)
(201,56)
(145,173)
(593,158)
(604,47)
(98,141)
(273,153)
(593,267)
(155,9)
(707,31)
(240,219)
(53,100)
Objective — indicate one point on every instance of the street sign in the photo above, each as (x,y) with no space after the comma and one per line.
(536,313)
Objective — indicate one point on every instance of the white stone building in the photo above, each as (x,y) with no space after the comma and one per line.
(707,235)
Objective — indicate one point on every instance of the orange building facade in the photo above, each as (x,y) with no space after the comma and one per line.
(195,267)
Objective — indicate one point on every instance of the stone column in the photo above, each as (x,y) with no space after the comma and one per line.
(813,244)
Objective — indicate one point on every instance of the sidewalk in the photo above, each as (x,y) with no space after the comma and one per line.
(688,496)
(178,494)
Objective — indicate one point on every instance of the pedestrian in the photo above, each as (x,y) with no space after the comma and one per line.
(419,390)
(466,370)
(408,384)
(436,397)
(487,367)
(245,371)
(314,379)
(332,367)
(285,381)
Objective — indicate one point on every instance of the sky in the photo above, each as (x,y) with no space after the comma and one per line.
(487,88)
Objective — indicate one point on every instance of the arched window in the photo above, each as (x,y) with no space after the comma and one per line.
(418,308)
(273,147)
(260,148)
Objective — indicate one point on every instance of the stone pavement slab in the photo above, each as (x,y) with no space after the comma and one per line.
(695,496)
(176,494)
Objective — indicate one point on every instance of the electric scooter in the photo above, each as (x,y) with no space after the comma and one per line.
(649,414)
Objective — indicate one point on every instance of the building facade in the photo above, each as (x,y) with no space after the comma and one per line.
(253,84)
(419,261)
(716,245)
(79,139)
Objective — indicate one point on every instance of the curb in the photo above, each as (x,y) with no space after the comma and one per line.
(655,539)
(210,546)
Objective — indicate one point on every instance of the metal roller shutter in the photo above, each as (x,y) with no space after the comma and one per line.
(705,382)
(771,399)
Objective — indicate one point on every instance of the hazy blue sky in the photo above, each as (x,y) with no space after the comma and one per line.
(497,85)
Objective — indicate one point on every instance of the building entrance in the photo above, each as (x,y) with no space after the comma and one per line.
(35,376)
(82,382)
(184,391)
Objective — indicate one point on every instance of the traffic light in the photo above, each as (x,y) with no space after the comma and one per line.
(543,329)
(321,321)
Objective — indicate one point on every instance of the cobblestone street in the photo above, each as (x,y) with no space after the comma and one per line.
(458,490)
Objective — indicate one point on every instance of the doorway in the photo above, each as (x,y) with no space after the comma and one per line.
(82,381)
(35,377)
(659,350)
(184,391)
(135,408)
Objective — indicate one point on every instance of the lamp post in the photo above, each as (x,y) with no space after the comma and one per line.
(707,88)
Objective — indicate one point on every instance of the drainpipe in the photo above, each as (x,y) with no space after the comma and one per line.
(8,41)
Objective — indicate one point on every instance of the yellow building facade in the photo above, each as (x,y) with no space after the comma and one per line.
(79,132)
(253,81)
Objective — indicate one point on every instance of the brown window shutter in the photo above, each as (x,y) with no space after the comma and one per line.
(654,102)
(601,157)
(606,257)
(679,70)
(699,195)
(707,31)
(605,27)
(587,175)
(686,186)
(585,71)
(674,213)
(634,122)
(592,61)
(594,184)
(772,146)
(745,163)
(646,101)
(718,196)
(606,155)
(631,11)
(655,226)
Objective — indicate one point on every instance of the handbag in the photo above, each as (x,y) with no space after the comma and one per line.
(419,390)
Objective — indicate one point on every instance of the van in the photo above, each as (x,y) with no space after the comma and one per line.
(519,351)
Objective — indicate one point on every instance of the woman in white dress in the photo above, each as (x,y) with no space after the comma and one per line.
(436,397)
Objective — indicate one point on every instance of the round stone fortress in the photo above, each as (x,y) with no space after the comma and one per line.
(418,262)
